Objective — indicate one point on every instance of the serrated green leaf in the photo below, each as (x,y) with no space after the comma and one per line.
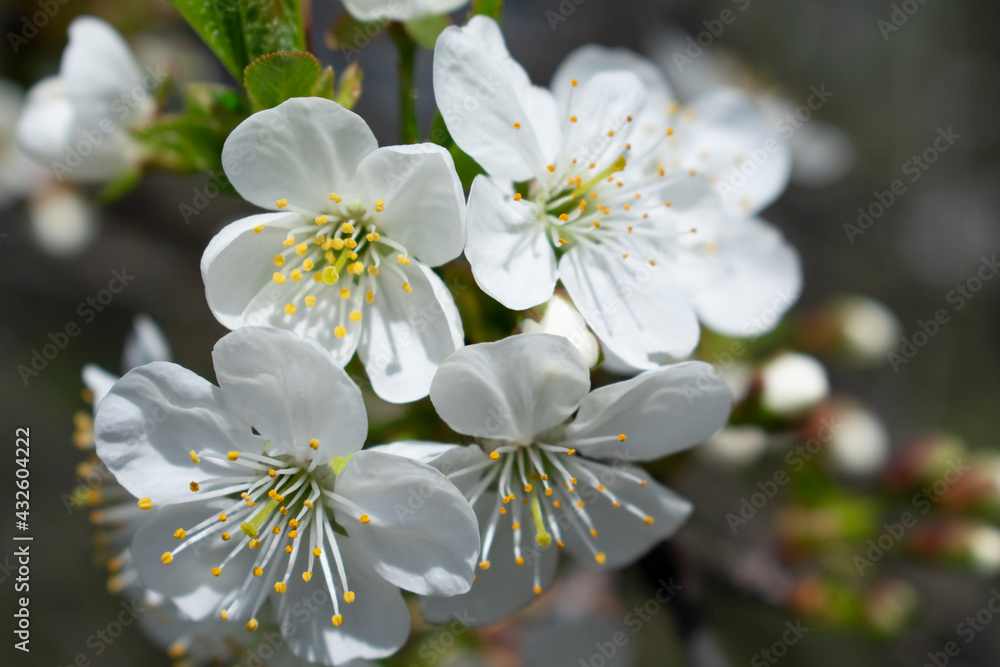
(425,30)
(276,77)
(240,31)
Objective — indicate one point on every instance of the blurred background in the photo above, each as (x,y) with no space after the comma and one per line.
(889,90)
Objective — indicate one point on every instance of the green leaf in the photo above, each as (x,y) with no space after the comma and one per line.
(492,8)
(425,30)
(276,77)
(240,31)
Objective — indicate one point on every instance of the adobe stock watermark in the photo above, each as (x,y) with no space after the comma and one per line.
(914,168)
(203,195)
(635,620)
(58,341)
(102,638)
(30,25)
(565,10)
(957,298)
(970,628)
(922,501)
(898,17)
(714,28)
(796,459)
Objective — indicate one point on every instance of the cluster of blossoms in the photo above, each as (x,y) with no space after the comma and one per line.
(258,493)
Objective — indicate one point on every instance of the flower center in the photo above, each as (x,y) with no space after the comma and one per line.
(338,256)
(516,471)
(284,505)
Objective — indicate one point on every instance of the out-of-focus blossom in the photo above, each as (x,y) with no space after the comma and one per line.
(736,445)
(854,328)
(63,220)
(792,383)
(858,441)
(560,318)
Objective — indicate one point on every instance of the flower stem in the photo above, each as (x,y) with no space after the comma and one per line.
(409,126)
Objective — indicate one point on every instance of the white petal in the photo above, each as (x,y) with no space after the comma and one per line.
(64,221)
(145,344)
(103,79)
(512,389)
(149,421)
(635,309)
(47,122)
(399,10)
(511,257)
(292,392)
(375,625)
(406,336)
(423,536)
(98,381)
(731,139)
(188,579)
(755,277)
(237,264)
(589,60)
(302,150)
(661,412)
(424,201)
(502,589)
(624,537)
(482,92)
(562,319)
(446,458)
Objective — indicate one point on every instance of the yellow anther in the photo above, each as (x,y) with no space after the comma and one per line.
(670,131)
(279,261)
(224,615)
(559,543)
(616,504)
(484,565)
(581,504)
(515,525)
(597,225)
(348,597)
(379,205)
(517,196)
(350,244)
(320,220)
(369,296)
(194,456)
(593,533)
(652,262)
(642,482)
(494,455)
(225,537)
(564,217)
(339,332)
(625,256)
(306,576)
(281,203)
(308,503)
(283,510)
(293,523)
(537,590)
(232,456)
(310,301)
(574,83)
(254,544)
(407,287)
(280,587)
(503,510)
(289,309)
(365,518)
(295,275)
(292,534)
(667,204)
(167,558)
(301,248)
(357,268)
(692,172)
(519,560)
(403,259)
(216,571)
(180,533)
(548,492)
(571,452)
(251,625)
(258,229)
(561,240)
(279,278)
(276,530)
(373,237)
(355,316)
(622,437)
(600,487)
(314,443)
(551,168)
(600,557)
(258,571)
(649,520)
(194,486)
(334,197)
(347,228)
(527,488)
(373,270)
(317,552)
(345,293)
(572,119)
(338,620)
(337,244)
(517,126)
(289,242)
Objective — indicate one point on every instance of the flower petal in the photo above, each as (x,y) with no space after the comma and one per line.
(237,264)
(660,412)
(145,344)
(393,10)
(302,150)
(512,389)
(424,201)
(756,276)
(149,421)
(482,92)
(448,459)
(423,535)
(502,589)
(508,249)
(292,392)
(622,536)
(98,381)
(188,579)
(635,310)
(406,336)
(375,625)
(103,79)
